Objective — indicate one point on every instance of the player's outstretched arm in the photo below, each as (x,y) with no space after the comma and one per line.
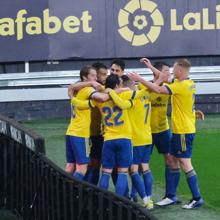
(123,89)
(82,104)
(100,97)
(150,66)
(80,85)
(151,86)
(121,103)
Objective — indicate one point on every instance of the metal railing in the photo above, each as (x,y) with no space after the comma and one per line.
(40,86)
(37,189)
(54,78)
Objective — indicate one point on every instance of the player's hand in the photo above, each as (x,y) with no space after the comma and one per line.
(146,62)
(200,115)
(108,90)
(70,91)
(97,86)
(134,76)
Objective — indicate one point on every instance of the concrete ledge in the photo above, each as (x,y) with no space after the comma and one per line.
(30,110)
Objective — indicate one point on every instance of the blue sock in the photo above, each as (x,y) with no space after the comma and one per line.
(174,182)
(167,179)
(104,181)
(78,175)
(133,191)
(93,176)
(148,182)
(138,184)
(192,181)
(121,184)
(127,191)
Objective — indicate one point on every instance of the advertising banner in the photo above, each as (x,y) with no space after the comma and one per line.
(84,29)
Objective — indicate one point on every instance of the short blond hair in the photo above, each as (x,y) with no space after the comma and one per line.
(184,63)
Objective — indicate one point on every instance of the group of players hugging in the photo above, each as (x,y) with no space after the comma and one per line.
(117,119)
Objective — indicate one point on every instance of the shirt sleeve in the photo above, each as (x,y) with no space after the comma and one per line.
(132,95)
(141,86)
(87,92)
(172,88)
(81,104)
(120,102)
(141,93)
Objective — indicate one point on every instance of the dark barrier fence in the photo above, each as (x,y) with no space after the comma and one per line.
(35,188)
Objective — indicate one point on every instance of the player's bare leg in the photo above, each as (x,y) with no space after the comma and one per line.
(80,171)
(70,168)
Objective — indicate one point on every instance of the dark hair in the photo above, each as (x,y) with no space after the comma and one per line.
(119,62)
(112,81)
(84,72)
(159,65)
(99,66)
(126,81)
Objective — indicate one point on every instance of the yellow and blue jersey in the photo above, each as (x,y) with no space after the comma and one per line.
(183,110)
(140,117)
(114,114)
(115,120)
(159,120)
(80,118)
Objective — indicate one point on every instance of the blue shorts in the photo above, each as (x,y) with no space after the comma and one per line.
(141,154)
(96,149)
(181,145)
(162,141)
(117,153)
(77,149)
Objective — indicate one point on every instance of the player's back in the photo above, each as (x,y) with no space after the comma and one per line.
(80,119)
(140,115)
(116,121)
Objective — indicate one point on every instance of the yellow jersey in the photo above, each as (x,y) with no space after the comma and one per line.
(159,104)
(114,116)
(183,109)
(80,118)
(140,116)
(159,120)
(115,119)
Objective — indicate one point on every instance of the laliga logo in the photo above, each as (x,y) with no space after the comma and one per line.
(140,22)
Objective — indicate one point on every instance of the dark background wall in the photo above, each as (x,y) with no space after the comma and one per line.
(77,64)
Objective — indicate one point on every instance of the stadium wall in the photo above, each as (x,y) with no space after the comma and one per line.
(209,104)
(28,110)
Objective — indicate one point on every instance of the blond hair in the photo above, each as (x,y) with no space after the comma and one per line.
(184,63)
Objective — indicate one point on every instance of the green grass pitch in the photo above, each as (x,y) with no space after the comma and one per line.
(206,154)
